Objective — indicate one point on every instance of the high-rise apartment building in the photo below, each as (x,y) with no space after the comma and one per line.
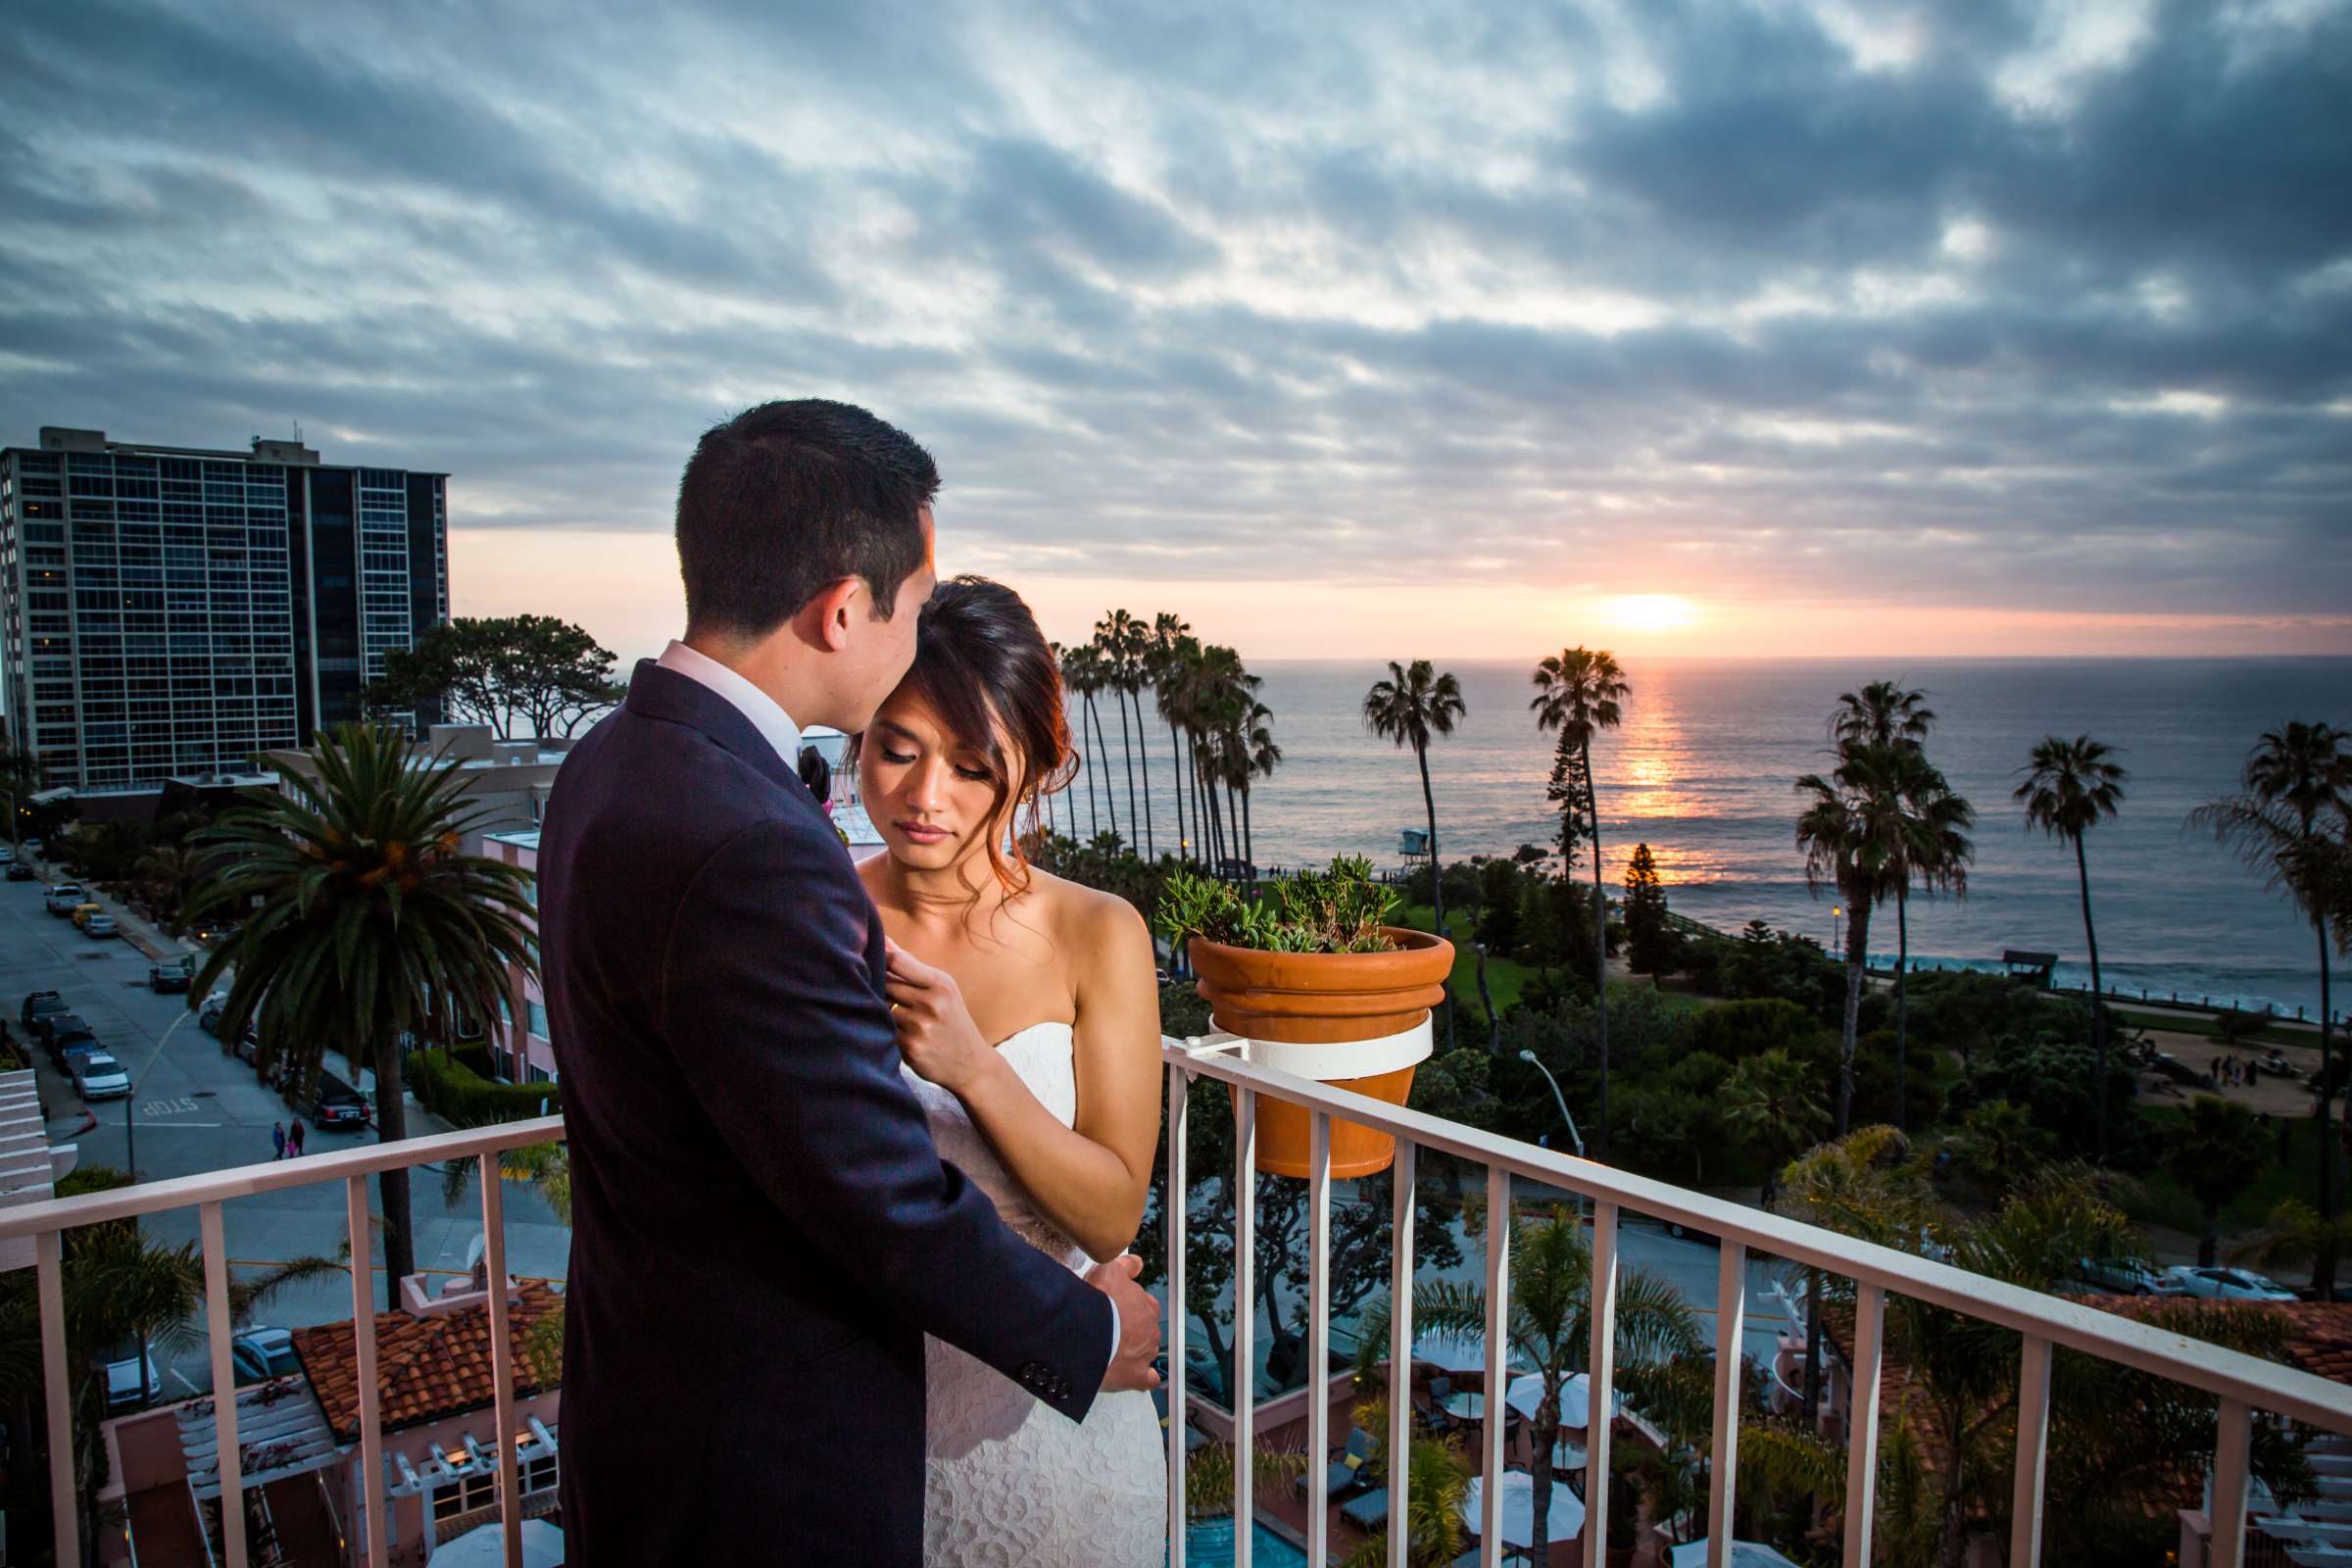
(169,610)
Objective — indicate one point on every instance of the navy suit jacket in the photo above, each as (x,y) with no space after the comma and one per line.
(762,1230)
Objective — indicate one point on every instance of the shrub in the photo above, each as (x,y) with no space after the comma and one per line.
(450,1088)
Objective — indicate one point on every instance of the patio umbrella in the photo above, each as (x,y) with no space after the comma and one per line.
(1561,1522)
(1744,1554)
(1576,1399)
(484,1546)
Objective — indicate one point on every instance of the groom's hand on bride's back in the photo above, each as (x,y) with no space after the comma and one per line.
(1131,1368)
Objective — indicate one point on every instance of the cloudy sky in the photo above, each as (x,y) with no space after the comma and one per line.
(1765,328)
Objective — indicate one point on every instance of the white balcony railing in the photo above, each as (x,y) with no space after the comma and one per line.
(46,1224)
(2242,1384)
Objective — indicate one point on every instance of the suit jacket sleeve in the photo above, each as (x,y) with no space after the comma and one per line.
(774,1018)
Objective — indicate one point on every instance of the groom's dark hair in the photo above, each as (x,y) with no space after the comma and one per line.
(782,501)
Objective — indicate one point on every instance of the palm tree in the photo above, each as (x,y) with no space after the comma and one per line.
(1264,757)
(2295,1235)
(1172,648)
(2216,1155)
(1935,852)
(2288,821)
(1852,831)
(364,921)
(1577,693)
(1409,708)
(1082,673)
(1121,637)
(1428,1506)
(1888,716)
(1772,1102)
(1551,1325)
(2069,786)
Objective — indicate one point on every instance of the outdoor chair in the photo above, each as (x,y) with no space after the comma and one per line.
(1346,1472)
(1369,1512)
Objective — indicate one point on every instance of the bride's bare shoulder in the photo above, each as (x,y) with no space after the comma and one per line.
(1087,922)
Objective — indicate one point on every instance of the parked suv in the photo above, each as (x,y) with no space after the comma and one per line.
(49,1025)
(329,1103)
(64,898)
(37,1002)
(164,978)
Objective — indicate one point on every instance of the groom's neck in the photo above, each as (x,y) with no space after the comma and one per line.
(771,663)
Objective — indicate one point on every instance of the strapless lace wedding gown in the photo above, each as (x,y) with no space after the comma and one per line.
(1010,1483)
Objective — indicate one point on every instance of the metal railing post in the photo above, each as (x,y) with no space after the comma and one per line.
(1498,1343)
(1600,1371)
(502,1357)
(1723,1469)
(1400,1353)
(1244,1391)
(376,1521)
(64,1504)
(2033,1445)
(1862,1423)
(1318,1337)
(225,1387)
(1179,1192)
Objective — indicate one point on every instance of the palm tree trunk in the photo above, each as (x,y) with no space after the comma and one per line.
(1600,956)
(1086,765)
(1249,836)
(1902,974)
(2210,1241)
(1110,800)
(2098,1009)
(1176,771)
(391,1127)
(1545,1432)
(1118,697)
(1857,950)
(2323,1265)
(1143,743)
(1436,876)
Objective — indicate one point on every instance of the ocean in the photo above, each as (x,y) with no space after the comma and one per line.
(1703,769)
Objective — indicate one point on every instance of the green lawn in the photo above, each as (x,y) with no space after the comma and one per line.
(2204,1026)
(1505,978)
(2161,1201)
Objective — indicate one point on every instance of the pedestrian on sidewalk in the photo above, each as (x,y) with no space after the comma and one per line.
(294,1139)
(277,1138)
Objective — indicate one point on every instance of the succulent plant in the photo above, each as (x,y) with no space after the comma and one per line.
(1339,910)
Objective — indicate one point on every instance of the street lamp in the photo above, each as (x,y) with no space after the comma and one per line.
(1560,1101)
(1835,913)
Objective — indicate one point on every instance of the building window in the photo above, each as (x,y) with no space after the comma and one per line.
(538,1010)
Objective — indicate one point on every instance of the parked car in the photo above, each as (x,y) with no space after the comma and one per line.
(123,1381)
(99,1076)
(64,897)
(2221,1283)
(2119,1275)
(18,871)
(86,910)
(98,927)
(247,1047)
(166,978)
(329,1102)
(8,856)
(37,1002)
(49,1025)
(67,1048)
(260,1353)
(208,1018)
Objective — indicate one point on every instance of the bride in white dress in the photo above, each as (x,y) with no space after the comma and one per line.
(1029,1018)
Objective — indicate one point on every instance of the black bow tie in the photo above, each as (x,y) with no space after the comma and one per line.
(816,772)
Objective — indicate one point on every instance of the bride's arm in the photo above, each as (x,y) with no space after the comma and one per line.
(1089,1179)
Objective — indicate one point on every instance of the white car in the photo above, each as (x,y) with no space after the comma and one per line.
(123,1382)
(2221,1285)
(99,1076)
(2121,1275)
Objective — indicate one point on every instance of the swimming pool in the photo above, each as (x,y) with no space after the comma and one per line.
(1209,1544)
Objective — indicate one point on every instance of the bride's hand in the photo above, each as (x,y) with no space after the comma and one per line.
(936,1032)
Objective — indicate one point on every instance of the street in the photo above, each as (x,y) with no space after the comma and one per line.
(199,1109)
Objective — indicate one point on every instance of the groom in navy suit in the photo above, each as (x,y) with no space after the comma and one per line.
(761,1230)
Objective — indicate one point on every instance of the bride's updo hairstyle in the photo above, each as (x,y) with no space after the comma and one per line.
(990,676)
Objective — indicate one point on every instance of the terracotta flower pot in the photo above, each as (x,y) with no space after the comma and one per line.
(1331,1001)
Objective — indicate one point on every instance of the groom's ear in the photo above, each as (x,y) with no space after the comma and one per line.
(827,621)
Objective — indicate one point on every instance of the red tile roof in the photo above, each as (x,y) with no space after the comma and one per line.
(426,1368)
(2319,1334)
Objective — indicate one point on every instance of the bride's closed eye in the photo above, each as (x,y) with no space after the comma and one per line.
(974,775)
